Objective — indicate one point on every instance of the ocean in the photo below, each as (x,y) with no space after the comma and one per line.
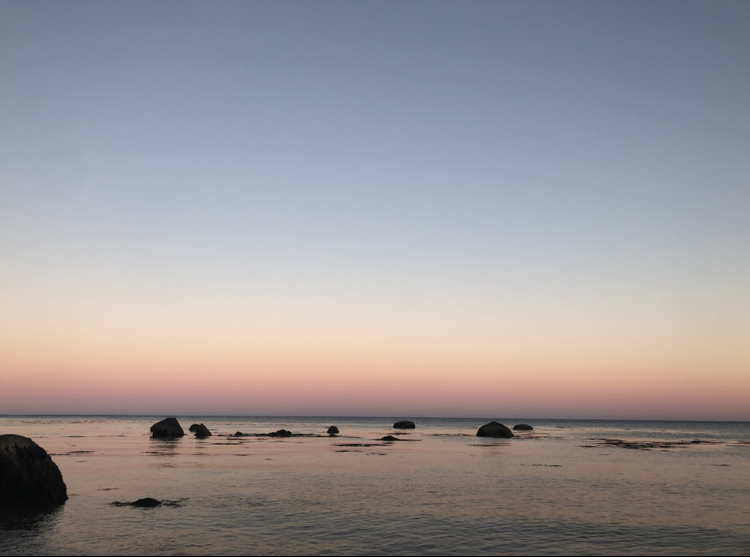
(567,487)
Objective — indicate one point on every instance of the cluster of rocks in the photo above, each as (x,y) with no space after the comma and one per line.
(496,429)
(28,474)
(200,430)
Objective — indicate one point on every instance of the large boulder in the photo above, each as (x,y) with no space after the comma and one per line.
(27,473)
(404,424)
(202,431)
(494,429)
(193,428)
(168,427)
(333,430)
(522,427)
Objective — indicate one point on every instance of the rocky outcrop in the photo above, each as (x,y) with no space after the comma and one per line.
(27,473)
(522,427)
(201,431)
(404,424)
(494,429)
(333,430)
(280,433)
(168,427)
(193,428)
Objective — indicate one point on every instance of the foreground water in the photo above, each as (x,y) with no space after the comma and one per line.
(568,487)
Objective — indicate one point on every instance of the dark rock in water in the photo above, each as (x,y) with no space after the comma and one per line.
(194,427)
(239,434)
(280,433)
(522,427)
(404,424)
(333,430)
(494,429)
(389,438)
(168,427)
(145,503)
(27,473)
(202,431)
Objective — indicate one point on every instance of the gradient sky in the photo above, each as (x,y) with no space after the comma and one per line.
(506,209)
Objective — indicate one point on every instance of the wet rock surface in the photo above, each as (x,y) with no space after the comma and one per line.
(495,429)
(404,424)
(389,438)
(168,427)
(28,474)
(522,427)
(202,431)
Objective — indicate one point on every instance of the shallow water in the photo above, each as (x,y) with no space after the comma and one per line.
(560,489)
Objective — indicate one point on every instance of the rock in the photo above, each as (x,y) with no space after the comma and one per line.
(389,438)
(333,430)
(27,473)
(202,431)
(145,503)
(280,433)
(494,429)
(168,427)
(522,427)
(404,424)
(239,434)
(194,427)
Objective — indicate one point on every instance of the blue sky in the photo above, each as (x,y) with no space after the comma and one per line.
(556,173)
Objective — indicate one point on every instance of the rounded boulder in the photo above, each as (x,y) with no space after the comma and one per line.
(494,429)
(27,473)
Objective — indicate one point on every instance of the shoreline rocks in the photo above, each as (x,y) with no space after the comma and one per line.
(167,428)
(333,430)
(495,429)
(404,424)
(28,474)
(522,427)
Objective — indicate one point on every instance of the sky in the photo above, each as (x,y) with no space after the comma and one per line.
(422,208)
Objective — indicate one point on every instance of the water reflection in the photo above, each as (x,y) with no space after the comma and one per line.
(26,527)
(163,447)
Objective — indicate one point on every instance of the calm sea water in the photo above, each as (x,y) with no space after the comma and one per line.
(559,490)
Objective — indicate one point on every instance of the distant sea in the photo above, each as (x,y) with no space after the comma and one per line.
(567,487)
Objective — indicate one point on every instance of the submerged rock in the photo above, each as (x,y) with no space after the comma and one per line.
(239,434)
(202,431)
(404,424)
(280,433)
(389,438)
(27,473)
(333,430)
(168,427)
(522,427)
(146,502)
(494,429)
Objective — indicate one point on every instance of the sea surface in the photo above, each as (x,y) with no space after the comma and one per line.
(568,487)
